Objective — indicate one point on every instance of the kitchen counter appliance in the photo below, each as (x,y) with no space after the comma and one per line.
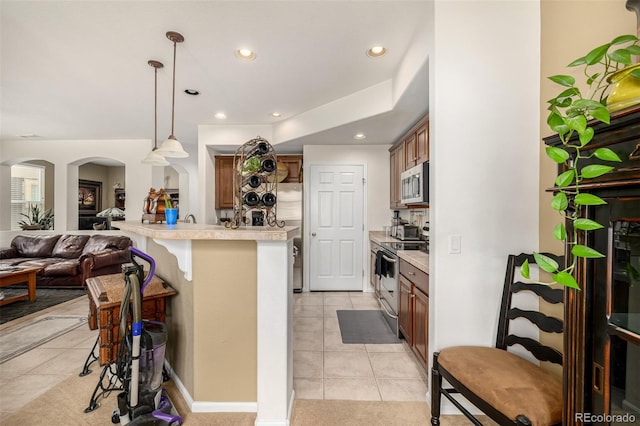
(407,232)
(414,185)
(387,268)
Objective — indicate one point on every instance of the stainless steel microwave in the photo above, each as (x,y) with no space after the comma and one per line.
(414,184)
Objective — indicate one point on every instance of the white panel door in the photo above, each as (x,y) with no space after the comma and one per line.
(336,206)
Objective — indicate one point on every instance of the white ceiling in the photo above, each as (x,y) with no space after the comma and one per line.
(78,69)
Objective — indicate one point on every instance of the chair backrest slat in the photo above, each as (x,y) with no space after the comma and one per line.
(543,322)
(541,352)
(549,294)
(540,320)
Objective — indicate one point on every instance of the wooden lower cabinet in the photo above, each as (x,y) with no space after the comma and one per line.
(413,310)
(421,325)
(405,309)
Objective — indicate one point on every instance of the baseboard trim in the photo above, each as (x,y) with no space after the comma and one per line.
(207,406)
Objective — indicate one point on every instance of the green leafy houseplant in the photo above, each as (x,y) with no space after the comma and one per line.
(36,218)
(571,115)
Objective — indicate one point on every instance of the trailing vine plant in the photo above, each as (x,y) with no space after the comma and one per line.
(570,115)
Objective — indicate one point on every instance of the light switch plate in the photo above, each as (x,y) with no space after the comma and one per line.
(455,244)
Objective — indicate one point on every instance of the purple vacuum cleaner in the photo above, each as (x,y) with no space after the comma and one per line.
(143,400)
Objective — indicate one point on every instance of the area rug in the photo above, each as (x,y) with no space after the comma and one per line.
(366,326)
(45,298)
(27,337)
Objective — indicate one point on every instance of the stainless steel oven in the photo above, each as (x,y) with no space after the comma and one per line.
(389,288)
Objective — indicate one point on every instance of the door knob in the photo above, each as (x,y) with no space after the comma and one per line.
(313,234)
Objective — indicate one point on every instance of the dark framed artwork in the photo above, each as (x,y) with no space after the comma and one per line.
(89,197)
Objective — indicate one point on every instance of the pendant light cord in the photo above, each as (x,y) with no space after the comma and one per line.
(155,111)
(173,95)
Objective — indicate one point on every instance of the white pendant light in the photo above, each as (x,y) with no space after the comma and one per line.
(154,158)
(172,147)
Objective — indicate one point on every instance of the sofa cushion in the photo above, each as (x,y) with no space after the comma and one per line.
(63,267)
(70,246)
(35,246)
(54,266)
(101,242)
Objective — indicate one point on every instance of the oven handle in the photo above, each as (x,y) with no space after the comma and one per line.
(383,303)
(388,259)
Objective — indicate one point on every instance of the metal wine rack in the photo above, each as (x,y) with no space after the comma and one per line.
(255,183)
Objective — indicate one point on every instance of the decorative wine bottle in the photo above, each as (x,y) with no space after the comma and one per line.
(260,149)
(253,181)
(268,165)
(251,199)
(268,199)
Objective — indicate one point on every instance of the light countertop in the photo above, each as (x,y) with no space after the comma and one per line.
(193,231)
(417,258)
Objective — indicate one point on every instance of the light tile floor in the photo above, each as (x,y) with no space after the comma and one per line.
(326,368)
(31,374)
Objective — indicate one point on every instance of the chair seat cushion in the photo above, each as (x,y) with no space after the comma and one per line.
(509,383)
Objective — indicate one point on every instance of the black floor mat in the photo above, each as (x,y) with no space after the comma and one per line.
(367,326)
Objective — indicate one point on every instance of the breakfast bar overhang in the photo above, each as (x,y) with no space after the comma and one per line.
(233,315)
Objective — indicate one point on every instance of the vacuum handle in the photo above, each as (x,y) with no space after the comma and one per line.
(152,265)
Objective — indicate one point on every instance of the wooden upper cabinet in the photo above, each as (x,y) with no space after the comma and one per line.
(396,166)
(225,175)
(416,143)
(410,150)
(224,181)
(422,141)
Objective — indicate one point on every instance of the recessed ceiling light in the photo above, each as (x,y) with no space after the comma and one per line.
(275,114)
(359,136)
(246,54)
(192,92)
(376,51)
(220,115)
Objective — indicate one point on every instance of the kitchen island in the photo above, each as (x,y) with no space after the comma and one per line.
(230,325)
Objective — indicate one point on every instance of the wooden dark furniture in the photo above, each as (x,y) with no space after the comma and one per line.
(505,386)
(413,312)
(17,276)
(600,355)
(105,296)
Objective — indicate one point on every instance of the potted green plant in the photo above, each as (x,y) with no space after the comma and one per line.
(36,219)
(170,212)
(572,115)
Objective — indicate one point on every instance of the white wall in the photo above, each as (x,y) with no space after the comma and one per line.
(485,139)
(66,156)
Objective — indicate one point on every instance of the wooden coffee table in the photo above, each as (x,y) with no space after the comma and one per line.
(22,275)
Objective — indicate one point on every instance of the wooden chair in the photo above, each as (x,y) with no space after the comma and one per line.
(506,387)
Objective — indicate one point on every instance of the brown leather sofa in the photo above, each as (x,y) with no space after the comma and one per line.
(68,260)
